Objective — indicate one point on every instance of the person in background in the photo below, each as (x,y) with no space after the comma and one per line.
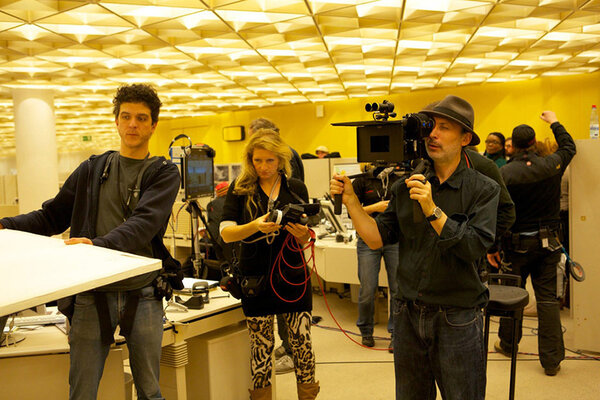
(119,200)
(532,246)
(438,326)
(494,148)
(508,148)
(542,149)
(374,193)
(214,210)
(295,162)
(322,151)
(282,288)
(283,354)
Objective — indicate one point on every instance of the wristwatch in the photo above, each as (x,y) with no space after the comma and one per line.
(437,214)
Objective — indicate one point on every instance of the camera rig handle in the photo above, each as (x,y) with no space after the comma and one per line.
(421,168)
(337,198)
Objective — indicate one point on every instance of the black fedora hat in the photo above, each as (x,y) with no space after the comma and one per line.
(457,110)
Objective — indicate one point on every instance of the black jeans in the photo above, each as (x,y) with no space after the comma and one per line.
(540,263)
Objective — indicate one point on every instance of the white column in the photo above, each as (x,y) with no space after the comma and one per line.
(35,138)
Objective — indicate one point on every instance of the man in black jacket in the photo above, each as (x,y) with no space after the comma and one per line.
(533,247)
(119,200)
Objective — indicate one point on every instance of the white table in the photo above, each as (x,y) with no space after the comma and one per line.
(208,352)
(38,269)
(35,270)
(202,351)
(337,262)
(38,368)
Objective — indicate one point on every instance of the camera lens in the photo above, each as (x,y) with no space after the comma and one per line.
(371,107)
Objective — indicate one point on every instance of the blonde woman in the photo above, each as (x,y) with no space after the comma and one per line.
(273,276)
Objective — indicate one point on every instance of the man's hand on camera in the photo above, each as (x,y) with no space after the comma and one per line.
(299,231)
(420,190)
(265,227)
(78,240)
(341,184)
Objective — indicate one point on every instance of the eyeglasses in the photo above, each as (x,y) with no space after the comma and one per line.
(488,141)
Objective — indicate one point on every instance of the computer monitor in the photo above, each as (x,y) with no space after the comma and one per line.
(347,169)
(327,209)
(198,173)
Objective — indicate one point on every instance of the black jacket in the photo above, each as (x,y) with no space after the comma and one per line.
(506,207)
(297,166)
(259,259)
(76,206)
(443,269)
(534,183)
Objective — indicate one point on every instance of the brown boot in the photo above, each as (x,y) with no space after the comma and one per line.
(308,391)
(261,393)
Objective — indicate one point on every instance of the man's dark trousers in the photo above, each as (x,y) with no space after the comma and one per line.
(540,263)
(438,344)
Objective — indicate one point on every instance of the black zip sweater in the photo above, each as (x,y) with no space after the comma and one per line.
(534,183)
(76,206)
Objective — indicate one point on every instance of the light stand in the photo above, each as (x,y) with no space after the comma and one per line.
(200,269)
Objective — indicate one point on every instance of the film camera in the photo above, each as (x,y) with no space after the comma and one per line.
(384,142)
(293,213)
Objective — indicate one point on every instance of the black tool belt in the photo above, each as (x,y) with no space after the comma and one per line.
(521,242)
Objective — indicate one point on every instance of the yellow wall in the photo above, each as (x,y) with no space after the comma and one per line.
(498,107)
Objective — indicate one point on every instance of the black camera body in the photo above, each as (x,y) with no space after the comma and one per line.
(292,213)
(384,142)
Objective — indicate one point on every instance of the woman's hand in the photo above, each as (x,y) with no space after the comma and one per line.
(266,227)
(300,232)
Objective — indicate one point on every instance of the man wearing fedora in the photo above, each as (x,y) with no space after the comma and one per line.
(437,315)
(534,183)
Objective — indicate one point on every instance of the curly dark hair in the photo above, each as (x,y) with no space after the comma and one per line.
(137,93)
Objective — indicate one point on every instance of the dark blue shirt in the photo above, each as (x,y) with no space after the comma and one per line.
(442,270)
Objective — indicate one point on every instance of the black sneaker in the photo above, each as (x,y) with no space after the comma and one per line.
(368,341)
(499,349)
(552,371)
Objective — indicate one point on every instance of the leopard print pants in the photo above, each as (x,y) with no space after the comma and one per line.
(262,342)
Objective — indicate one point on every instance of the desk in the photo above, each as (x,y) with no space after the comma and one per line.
(38,368)
(337,262)
(206,355)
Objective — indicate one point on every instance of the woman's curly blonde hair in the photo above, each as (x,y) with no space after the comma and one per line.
(247,183)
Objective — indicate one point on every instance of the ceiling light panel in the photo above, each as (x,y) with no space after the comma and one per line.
(221,55)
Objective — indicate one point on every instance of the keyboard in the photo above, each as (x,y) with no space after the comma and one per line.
(40,320)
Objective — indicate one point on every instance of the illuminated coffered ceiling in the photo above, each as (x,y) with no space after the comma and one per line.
(208,56)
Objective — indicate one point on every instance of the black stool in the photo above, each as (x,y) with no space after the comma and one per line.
(506,301)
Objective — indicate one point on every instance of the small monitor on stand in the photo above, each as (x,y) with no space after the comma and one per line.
(198,173)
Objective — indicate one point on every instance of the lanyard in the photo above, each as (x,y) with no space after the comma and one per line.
(271,202)
(132,191)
